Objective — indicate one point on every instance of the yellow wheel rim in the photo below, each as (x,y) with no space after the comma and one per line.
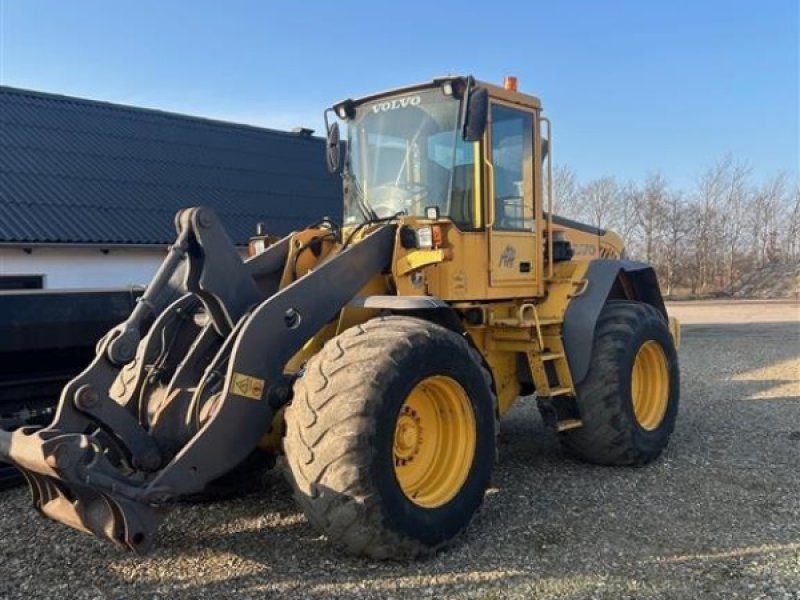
(434,441)
(650,385)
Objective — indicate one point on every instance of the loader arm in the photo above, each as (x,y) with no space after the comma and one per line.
(181,392)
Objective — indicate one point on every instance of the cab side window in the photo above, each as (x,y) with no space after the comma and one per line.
(512,158)
(451,169)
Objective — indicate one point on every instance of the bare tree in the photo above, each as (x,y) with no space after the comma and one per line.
(625,220)
(651,213)
(565,192)
(599,199)
(706,231)
(677,224)
(735,175)
(793,226)
(705,239)
(765,211)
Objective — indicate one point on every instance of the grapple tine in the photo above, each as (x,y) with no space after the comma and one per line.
(130,525)
(126,523)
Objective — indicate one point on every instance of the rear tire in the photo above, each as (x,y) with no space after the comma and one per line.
(374,400)
(628,401)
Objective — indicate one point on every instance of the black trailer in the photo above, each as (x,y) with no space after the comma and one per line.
(46,338)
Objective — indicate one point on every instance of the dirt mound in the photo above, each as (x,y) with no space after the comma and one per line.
(770,281)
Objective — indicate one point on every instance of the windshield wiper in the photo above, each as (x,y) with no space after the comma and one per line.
(356,188)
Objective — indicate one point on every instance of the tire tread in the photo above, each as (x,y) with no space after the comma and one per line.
(355,519)
(607,436)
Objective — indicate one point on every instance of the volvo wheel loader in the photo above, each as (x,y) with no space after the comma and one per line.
(377,354)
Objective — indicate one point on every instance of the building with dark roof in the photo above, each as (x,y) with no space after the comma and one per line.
(89,190)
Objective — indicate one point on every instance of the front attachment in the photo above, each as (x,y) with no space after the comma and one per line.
(182,391)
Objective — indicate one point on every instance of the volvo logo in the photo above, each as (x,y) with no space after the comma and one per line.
(395,104)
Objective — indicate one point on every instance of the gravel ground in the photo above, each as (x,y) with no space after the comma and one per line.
(717,517)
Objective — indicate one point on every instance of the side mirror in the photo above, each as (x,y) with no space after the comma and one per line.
(477,115)
(332,147)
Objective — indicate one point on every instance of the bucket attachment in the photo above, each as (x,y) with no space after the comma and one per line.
(181,392)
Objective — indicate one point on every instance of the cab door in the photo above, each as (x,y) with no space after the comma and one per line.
(510,211)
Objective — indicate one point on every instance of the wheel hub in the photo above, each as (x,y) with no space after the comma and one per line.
(650,385)
(408,435)
(434,441)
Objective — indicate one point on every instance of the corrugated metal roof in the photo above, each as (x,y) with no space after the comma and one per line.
(88,172)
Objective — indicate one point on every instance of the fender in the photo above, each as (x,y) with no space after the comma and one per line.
(429,308)
(426,307)
(607,279)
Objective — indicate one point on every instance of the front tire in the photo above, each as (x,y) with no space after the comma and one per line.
(390,437)
(628,400)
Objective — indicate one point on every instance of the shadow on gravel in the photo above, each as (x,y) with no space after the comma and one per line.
(772,365)
(294,562)
(784,332)
(717,517)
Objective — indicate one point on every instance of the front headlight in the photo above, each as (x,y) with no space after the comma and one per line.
(424,237)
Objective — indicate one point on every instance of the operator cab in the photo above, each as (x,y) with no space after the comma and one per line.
(452,149)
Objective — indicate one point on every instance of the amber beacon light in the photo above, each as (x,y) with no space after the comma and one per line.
(510,83)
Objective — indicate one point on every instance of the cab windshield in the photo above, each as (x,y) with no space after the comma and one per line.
(406,154)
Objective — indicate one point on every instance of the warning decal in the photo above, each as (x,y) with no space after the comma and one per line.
(249,387)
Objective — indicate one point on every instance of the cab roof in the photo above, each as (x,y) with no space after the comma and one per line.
(495,91)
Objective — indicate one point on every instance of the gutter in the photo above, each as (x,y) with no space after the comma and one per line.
(92,245)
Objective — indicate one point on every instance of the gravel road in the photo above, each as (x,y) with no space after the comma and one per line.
(717,517)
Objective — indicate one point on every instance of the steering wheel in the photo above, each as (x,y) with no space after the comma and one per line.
(385,210)
(414,188)
(389,199)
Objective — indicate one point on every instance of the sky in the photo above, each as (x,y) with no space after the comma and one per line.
(632,86)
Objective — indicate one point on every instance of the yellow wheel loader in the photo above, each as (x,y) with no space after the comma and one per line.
(378,354)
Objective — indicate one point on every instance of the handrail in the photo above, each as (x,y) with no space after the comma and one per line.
(490,190)
(550,261)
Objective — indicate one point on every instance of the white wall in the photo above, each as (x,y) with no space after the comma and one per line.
(69,267)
